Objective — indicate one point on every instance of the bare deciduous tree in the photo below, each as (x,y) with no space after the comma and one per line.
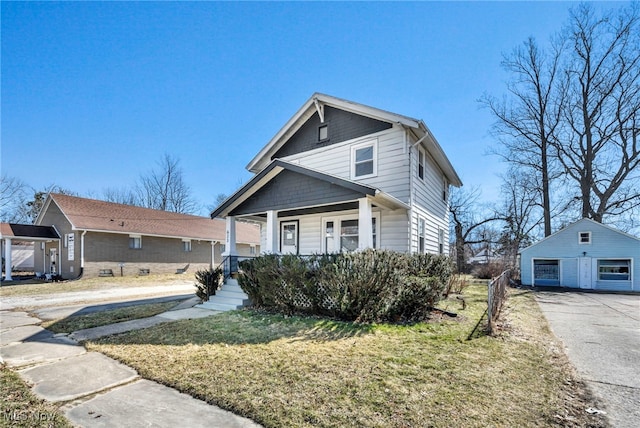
(13,195)
(469,226)
(600,150)
(164,188)
(527,125)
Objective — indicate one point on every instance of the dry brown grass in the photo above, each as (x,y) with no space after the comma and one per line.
(307,372)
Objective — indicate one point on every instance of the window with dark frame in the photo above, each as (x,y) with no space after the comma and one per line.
(421,164)
(584,238)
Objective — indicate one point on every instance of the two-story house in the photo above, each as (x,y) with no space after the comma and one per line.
(342,176)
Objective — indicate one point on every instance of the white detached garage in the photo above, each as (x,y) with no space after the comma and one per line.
(585,254)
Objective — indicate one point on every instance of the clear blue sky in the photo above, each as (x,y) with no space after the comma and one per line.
(94,93)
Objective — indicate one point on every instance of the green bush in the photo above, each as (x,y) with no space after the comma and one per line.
(367,286)
(209,281)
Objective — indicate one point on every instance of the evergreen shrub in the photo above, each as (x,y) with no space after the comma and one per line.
(366,286)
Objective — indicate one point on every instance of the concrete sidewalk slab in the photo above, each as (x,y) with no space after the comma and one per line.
(190,313)
(144,404)
(16,319)
(26,353)
(121,327)
(77,376)
(24,333)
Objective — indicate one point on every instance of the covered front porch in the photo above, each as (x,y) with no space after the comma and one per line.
(303,211)
(44,238)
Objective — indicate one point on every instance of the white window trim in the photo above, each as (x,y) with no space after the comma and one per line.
(580,238)
(135,237)
(336,227)
(422,234)
(421,154)
(441,236)
(186,245)
(533,268)
(372,143)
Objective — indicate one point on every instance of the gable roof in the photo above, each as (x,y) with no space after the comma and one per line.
(587,222)
(101,216)
(278,166)
(316,104)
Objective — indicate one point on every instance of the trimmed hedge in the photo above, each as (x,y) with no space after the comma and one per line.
(367,286)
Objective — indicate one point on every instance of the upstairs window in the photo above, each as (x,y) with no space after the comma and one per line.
(445,189)
(421,164)
(323,133)
(186,245)
(584,238)
(363,160)
(135,242)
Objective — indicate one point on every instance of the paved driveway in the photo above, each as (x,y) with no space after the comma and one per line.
(601,334)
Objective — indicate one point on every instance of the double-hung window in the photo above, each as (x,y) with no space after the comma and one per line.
(343,234)
(186,245)
(421,157)
(135,242)
(363,160)
(421,235)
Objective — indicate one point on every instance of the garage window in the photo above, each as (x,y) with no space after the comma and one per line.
(546,272)
(614,270)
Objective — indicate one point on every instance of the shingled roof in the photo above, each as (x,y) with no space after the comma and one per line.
(101,216)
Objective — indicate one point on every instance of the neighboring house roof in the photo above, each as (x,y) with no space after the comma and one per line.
(316,104)
(279,166)
(101,216)
(587,222)
(28,232)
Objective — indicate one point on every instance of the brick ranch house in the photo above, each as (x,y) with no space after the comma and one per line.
(100,238)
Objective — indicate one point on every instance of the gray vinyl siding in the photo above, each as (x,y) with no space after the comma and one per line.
(564,245)
(341,126)
(289,189)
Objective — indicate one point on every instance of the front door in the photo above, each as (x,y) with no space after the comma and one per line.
(584,272)
(289,237)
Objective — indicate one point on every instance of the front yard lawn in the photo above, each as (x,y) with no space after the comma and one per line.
(310,372)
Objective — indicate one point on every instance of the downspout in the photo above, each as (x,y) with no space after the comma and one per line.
(84,232)
(410,211)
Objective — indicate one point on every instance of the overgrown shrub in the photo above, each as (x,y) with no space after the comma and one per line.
(488,270)
(364,286)
(209,281)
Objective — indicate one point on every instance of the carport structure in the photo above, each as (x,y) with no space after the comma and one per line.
(12,232)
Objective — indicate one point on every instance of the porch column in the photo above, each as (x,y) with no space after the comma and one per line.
(365,230)
(272,233)
(7,259)
(230,241)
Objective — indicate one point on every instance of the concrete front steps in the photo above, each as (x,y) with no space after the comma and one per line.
(228,298)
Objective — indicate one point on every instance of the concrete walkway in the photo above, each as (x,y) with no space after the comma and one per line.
(601,334)
(97,391)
